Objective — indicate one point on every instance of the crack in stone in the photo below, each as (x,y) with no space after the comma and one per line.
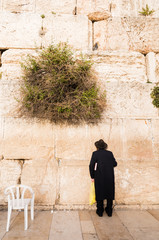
(21,163)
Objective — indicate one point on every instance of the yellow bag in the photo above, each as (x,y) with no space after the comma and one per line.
(92,197)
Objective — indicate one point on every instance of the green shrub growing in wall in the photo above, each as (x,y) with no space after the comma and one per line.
(60,88)
(146,11)
(155,96)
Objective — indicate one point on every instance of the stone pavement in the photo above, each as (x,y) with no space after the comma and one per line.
(83,225)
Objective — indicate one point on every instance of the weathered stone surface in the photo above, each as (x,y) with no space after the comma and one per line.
(89,6)
(137,34)
(74,184)
(14,57)
(155,137)
(20,30)
(155,213)
(111,35)
(65,226)
(137,182)
(129,100)
(138,144)
(90,236)
(132,7)
(119,66)
(68,147)
(9,175)
(3,218)
(17,6)
(37,229)
(24,139)
(55,7)
(1,137)
(130,139)
(157,68)
(118,8)
(41,175)
(11,81)
(99,16)
(142,34)
(74,30)
(124,225)
(151,67)
(81,140)
(8,99)
(110,228)
(138,219)
(86,223)
(24,30)
(141,225)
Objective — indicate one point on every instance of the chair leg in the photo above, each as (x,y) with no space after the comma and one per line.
(32,211)
(26,217)
(8,218)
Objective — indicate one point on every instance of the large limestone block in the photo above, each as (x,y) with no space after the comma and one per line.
(78,142)
(143,34)
(129,100)
(74,30)
(120,66)
(17,6)
(137,182)
(74,184)
(20,30)
(71,142)
(1,136)
(89,6)
(137,34)
(138,142)
(60,6)
(118,8)
(14,57)
(31,30)
(151,67)
(41,175)
(155,137)
(110,35)
(132,7)
(9,94)
(27,139)
(9,175)
(157,68)
(11,81)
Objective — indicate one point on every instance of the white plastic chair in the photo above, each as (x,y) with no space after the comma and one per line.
(17,201)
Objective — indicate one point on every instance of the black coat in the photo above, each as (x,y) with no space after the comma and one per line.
(104,174)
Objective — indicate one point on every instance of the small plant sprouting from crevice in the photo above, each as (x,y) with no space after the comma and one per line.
(155,96)
(42,25)
(148,81)
(60,88)
(146,11)
(42,30)
(42,16)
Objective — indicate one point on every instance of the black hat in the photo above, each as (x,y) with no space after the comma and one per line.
(101,144)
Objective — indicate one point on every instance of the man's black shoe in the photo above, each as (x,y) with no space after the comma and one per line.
(100,214)
(109,212)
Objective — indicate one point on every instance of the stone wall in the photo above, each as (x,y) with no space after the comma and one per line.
(54,159)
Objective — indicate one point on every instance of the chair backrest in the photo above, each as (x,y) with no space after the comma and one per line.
(16,193)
